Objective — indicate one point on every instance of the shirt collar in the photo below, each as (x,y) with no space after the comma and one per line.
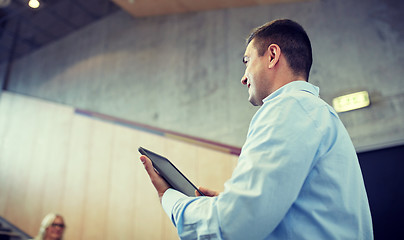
(293,87)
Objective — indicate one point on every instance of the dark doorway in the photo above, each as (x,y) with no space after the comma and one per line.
(383,173)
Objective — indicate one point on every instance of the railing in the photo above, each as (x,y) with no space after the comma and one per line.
(10,232)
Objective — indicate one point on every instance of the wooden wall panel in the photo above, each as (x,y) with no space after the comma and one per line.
(55,145)
(88,170)
(214,168)
(77,168)
(98,182)
(122,191)
(38,194)
(21,136)
(5,153)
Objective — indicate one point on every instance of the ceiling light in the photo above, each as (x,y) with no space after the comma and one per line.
(351,101)
(33,3)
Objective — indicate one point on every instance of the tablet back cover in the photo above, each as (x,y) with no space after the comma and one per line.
(170,173)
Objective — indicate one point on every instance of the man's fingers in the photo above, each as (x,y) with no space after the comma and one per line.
(159,183)
(148,166)
(207,192)
(154,176)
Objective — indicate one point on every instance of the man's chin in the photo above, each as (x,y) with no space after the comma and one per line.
(254,102)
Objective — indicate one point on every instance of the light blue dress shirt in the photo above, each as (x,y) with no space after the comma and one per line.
(297,177)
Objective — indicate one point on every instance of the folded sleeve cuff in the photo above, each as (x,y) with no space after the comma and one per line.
(170,197)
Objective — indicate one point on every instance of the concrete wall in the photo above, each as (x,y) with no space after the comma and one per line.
(182,72)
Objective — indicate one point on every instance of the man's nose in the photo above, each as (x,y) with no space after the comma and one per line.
(244,80)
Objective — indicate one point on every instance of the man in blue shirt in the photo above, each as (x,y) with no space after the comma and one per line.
(298,175)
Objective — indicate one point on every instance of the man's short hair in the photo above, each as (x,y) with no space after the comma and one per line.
(292,40)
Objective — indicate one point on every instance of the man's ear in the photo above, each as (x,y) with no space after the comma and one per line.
(274,54)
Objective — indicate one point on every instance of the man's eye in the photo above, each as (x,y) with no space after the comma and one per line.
(245,59)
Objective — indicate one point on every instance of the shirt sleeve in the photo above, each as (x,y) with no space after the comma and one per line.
(274,162)
(168,201)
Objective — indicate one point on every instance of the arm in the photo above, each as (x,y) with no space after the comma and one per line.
(273,165)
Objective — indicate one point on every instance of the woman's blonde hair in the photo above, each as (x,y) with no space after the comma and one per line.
(46,222)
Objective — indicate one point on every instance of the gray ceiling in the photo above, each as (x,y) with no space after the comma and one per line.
(24,30)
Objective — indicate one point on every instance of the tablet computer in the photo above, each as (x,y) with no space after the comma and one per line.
(170,173)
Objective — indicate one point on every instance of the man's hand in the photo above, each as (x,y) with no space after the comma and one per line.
(158,182)
(207,192)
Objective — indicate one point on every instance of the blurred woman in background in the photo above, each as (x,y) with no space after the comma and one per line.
(52,228)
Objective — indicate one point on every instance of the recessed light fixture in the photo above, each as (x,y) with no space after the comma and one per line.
(33,3)
(351,101)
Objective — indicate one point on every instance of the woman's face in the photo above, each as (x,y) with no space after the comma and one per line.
(56,229)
